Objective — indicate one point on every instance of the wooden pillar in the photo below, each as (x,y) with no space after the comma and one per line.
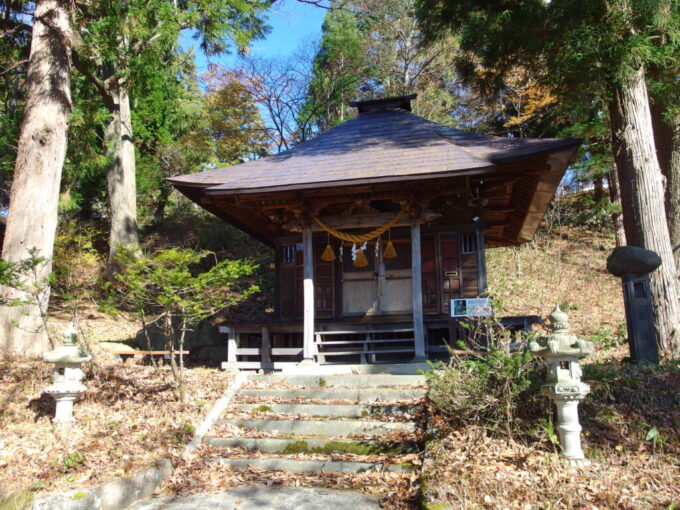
(308,289)
(481,258)
(266,346)
(231,345)
(416,280)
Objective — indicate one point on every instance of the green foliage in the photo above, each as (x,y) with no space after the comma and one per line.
(28,286)
(604,338)
(494,388)
(169,282)
(547,426)
(72,462)
(22,276)
(76,262)
(337,70)
(370,49)
(580,48)
(175,289)
(654,437)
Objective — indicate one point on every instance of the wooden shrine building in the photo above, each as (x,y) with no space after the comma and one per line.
(378,224)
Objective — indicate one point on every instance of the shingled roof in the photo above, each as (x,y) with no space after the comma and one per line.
(377,146)
(379,149)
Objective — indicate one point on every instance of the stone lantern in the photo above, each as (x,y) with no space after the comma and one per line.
(561,351)
(67,374)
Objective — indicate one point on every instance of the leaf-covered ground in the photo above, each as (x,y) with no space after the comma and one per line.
(631,434)
(127,419)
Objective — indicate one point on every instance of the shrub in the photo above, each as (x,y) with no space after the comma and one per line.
(493,385)
(169,288)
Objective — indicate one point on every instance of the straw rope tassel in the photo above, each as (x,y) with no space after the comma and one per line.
(328,254)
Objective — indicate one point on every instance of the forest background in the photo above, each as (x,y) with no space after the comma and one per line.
(138,111)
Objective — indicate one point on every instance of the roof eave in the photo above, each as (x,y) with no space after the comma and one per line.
(220,191)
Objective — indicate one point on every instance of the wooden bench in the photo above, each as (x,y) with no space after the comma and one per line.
(125,355)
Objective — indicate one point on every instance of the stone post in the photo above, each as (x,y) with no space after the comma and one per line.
(561,351)
(633,265)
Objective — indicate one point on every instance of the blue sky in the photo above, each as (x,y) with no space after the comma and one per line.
(292,24)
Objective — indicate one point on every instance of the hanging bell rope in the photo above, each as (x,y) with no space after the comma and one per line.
(362,238)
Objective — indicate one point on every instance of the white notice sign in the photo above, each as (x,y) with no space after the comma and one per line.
(471,307)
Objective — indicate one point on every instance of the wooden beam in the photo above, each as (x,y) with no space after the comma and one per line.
(416,280)
(308,289)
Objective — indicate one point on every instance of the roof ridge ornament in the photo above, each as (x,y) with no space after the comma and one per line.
(384,104)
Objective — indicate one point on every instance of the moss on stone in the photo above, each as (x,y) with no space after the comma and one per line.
(17,501)
(79,495)
(353,447)
(263,409)
(435,506)
(296,447)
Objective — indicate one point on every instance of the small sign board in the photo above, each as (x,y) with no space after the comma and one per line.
(471,307)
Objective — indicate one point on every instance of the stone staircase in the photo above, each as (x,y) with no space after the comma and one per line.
(355,423)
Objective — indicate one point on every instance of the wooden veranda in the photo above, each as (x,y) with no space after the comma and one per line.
(377,225)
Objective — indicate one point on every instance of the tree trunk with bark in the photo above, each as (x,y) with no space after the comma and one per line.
(32,219)
(121,175)
(642,195)
(615,198)
(667,141)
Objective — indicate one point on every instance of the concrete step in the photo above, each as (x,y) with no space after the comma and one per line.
(322,428)
(290,446)
(313,466)
(352,394)
(329,410)
(342,381)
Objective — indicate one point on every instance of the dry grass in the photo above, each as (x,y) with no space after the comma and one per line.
(471,469)
(567,266)
(127,419)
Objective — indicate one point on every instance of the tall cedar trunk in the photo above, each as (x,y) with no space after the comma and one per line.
(32,219)
(642,196)
(121,175)
(667,141)
(598,184)
(615,198)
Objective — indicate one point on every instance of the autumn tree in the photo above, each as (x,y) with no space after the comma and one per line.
(32,218)
(587,49)
(232,124)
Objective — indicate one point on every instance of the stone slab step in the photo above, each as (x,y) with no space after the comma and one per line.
(290,446)
(323,428)
(352,394)
(376,368)
(329,410)
(313,466)
(342,381)
(264,498)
